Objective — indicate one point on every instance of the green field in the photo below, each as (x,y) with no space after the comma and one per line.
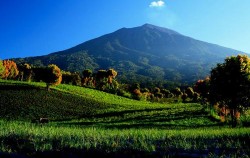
(86,122)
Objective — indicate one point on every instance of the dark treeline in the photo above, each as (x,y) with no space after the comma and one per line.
(51,74)
(104,80)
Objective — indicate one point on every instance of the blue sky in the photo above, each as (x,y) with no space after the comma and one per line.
(39,27)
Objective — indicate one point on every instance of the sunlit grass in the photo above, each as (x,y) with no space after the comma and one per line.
(52,138)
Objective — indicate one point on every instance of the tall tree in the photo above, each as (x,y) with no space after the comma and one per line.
(230,84)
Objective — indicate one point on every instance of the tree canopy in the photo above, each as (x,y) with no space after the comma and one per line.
(25,72)
(54,76)
(51,75)
(230,84)
(10,69)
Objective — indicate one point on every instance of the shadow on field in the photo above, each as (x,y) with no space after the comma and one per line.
(25,147)
(148,118)
(68,153)
(125,112)
(18,87)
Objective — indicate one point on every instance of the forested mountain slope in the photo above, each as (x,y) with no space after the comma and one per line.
(145,54)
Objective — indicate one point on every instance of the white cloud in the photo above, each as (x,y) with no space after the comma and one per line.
(159,3)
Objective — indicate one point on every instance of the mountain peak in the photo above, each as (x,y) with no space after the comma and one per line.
(148,25)
(161,29)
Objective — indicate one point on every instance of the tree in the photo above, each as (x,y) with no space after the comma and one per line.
(202,87)
(196,96)
(76,79)
(111,74)
(66,77)
(101,79)
(25,72)
(54,76)
(166,93)
(177,92)
(190,92)
(51,75)
(184,97)
(11,70)
(230,85)
(134,86)
(2,69)
(157,93)
(71,78)
(86,80)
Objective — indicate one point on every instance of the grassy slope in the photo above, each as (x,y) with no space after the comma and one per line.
(83,106)
(25,101)
(89,120)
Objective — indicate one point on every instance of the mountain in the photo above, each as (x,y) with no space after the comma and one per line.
(146,54)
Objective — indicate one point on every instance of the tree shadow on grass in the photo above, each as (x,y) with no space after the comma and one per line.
(111,114)
(125,112)
(160,121)
(18,87)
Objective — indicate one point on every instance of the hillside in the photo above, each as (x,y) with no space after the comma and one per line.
(27,101)
(145,54)
(89,123)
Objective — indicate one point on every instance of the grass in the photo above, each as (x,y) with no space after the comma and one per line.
(29,138)
(24,102)
(86,122)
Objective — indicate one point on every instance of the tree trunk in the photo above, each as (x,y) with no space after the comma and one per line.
(233,118)
(48,87)
(22,76)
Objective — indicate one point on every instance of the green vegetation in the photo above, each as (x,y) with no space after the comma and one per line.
(50,139)
(26,101)
(51,75)
(87,122)
(67,100)
(230,85)
(79,120)
(104,80)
